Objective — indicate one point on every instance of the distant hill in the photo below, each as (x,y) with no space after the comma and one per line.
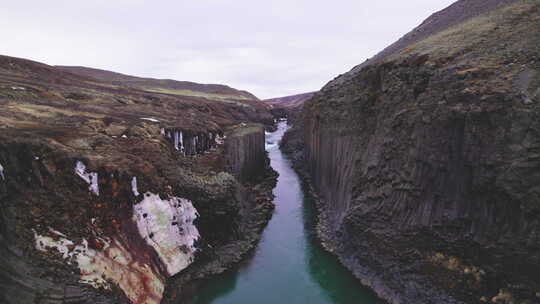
(82,91)
(290,101)
(166,86)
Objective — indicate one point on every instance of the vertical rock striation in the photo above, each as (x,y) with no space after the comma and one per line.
(426,166)
(190,143)
(245,151)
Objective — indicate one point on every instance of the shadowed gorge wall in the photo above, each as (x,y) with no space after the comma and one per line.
(330,159)
(245,151)
(426,164)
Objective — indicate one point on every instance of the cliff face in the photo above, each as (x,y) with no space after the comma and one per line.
(246,155)
(426,166)
(113,195)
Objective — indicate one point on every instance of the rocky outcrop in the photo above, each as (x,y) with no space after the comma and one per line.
(245,151)
(246,160)
(110,195)
(71,225)
(425,163)
(193,143)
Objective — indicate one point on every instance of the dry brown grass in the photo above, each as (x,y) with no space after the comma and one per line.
(212,96)
(42,111)
(457,39)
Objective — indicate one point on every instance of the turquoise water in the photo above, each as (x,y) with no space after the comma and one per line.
(288,266)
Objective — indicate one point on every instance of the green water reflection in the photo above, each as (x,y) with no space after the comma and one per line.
(288,266)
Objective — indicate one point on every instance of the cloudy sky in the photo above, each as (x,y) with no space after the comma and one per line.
(271,48)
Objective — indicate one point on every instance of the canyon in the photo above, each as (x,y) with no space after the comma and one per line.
(415,178)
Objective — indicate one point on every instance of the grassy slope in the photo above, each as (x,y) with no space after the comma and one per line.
(165,86)
(289,101)
(36,95)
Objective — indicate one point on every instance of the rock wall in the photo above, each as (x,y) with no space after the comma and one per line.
(107,235)
(426,165)
(190,143)
(115,229)
(245,151)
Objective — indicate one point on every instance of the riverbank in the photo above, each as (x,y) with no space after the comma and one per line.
(257,212)
(292,146)
(288,265)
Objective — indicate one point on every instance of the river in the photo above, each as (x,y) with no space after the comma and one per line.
(289,265)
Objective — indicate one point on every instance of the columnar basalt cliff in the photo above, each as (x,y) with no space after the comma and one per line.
(193,143)
(235,227)
(245,151)
(110,194)
(425,160)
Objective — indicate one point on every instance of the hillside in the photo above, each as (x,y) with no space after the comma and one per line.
(457,13)
(289,101)
(425,159)
(111,192)
(167,86)
(288,106)
(39,88)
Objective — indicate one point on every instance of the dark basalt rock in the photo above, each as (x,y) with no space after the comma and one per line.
(245,151)
(73,167)
(426,164)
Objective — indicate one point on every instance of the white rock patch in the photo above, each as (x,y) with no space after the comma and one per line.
(176,140)
(73,253)
(2,172)
(134,186)
(114,262)
(91,177)
(167,226)
(194,143)
(220,140)
(61,245)
(150,119)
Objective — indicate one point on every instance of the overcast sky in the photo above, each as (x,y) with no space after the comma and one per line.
(270,48)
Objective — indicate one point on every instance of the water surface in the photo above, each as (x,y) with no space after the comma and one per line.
(288,266)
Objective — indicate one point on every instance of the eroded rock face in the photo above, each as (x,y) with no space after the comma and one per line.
(245,151)
(426,164)
(129,243)
(112,232)
(107,192)
(190,143)
(111,265)
(167,226)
